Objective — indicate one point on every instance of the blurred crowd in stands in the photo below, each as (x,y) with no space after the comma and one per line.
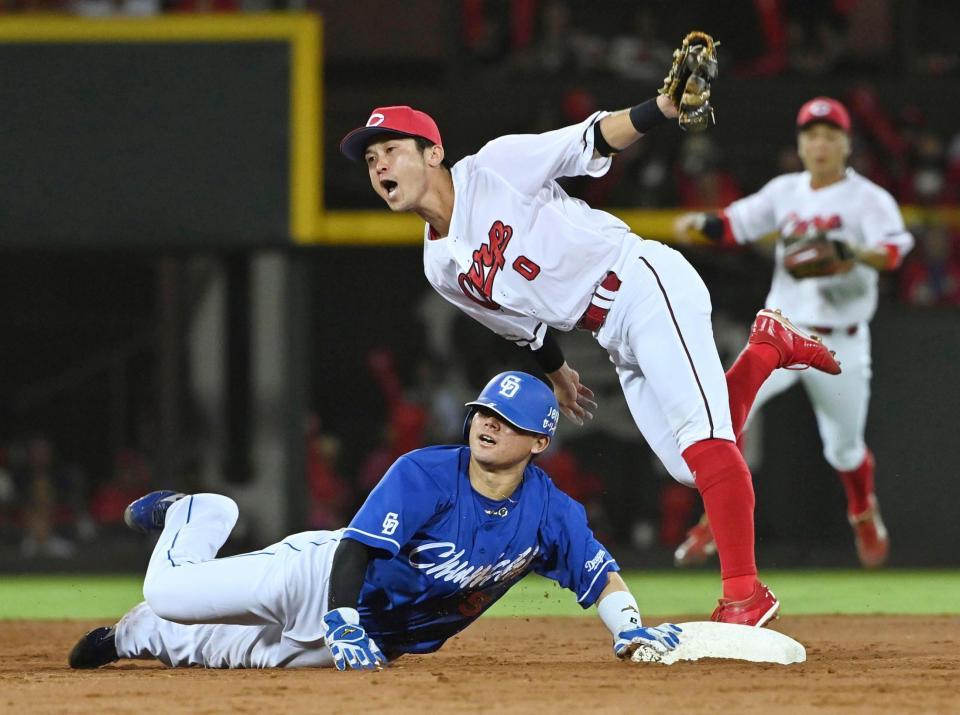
(142,8)
(633,40)
(49,505)
(761,38)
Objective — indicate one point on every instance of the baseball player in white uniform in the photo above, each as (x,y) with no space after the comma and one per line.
(830,199)
(505,244)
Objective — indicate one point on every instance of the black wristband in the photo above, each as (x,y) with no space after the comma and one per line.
(550,356)
(713,228)
(600,144)
(844,252)
(646,116)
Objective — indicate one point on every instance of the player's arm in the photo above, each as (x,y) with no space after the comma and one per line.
(886,239)
(527,161)
(617,131)
(348,642)
(581,563)
(747,219)
(346,573)
(574,398)
(400,502)
(882,259)
(619,612)
(704,227)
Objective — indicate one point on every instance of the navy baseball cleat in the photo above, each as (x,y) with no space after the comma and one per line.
(96,648)
(148,513)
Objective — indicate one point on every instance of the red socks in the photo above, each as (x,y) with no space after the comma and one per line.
(724,482)
(723,478)
(858,484)
(745,377)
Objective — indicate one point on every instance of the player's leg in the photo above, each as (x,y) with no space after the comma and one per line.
(282,590)
(185,583)
(774,342)
(753,378)
(841,405)
(142,634)
(698,544)
(648,416)
(664,315)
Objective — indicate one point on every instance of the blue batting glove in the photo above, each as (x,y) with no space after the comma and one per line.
(349,643)
(662,638)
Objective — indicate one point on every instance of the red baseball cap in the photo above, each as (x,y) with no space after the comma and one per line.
(400,120)
(824,109)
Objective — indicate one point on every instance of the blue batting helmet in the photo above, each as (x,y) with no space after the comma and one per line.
(520,399)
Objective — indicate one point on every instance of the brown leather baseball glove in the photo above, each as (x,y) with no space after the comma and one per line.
(688,82)
(817,256)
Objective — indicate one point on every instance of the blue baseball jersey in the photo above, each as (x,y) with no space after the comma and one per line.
(447,553)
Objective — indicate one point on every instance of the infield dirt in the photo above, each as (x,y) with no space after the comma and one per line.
(855,664)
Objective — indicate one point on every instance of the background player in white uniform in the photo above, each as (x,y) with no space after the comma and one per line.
(505,244)
(446,532)
(827,198)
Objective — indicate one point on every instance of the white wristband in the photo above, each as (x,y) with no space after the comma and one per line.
(619,611)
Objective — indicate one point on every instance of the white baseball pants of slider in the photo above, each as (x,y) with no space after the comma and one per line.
(261,609)
(659,335)
(840,402)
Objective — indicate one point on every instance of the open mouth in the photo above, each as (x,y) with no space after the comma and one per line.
(487,439)
(389,186)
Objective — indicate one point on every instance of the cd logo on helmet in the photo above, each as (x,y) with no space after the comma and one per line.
(375,120)
(509,385)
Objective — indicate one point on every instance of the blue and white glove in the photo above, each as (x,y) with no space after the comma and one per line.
(661,638)
(349,643)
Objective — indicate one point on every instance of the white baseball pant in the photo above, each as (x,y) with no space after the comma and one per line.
(261,609)
(660,338)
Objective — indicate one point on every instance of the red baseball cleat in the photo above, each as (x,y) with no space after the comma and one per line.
(697,547)
(756,610)
(797,349)
(870,535)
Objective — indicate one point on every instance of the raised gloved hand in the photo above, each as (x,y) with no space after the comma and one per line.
(661,638)
(349,643)
(688,81)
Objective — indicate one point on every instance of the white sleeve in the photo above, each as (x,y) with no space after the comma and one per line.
(528,161)
(519,329)
(882,224)
(525,332)
(753,217)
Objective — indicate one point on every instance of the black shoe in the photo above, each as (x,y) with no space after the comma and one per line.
(96,648)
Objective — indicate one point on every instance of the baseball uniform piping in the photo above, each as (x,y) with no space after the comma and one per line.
(174,542)
(523,342)
(603,569)
(683,342)
(373,536)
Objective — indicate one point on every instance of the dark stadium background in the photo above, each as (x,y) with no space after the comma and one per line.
(166,322)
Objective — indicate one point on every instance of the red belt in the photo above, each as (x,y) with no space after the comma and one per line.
(601,302)
(823,330)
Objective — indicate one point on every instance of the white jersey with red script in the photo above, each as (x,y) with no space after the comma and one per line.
(854,210)
(522,255)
